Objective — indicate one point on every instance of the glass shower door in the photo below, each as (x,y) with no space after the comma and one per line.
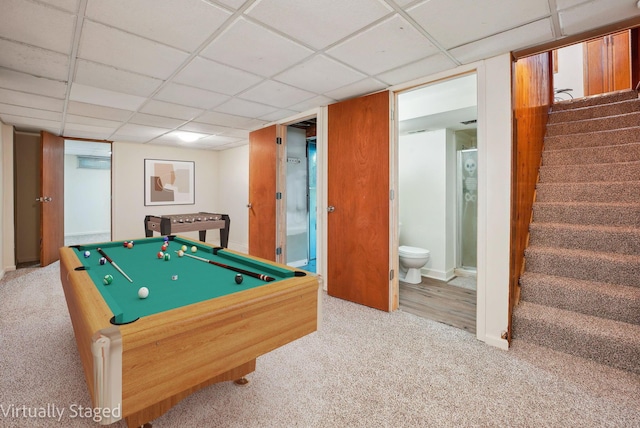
(467,172)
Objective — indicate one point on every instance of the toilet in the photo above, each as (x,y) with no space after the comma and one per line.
(412,259)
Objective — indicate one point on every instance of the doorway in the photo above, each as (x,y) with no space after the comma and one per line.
(301,195)
(87,190)
(437,197)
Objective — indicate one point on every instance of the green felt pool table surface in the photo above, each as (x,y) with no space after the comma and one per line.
(172,283)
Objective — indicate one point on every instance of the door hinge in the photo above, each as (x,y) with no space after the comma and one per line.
(278,195)
(391,275)
(391,194)
(278,251)
(278,140)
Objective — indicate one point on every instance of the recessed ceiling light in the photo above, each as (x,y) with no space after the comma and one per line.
(188,137)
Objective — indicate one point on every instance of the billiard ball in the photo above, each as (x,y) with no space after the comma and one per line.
(166,239)
(184,248)
(180,253)
(239,279)
(87,253)
(130,244)
(143,292)
(108,279)
(167,257)
(125,243)
(164,247)
(160,255)
(194,249)
(103,260)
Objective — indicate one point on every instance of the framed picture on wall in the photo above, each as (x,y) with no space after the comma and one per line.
(169,182)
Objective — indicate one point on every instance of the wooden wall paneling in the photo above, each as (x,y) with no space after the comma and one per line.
(533,96)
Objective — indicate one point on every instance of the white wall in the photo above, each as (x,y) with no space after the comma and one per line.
(89,190)
(570,70)
(426,195)
(128,188)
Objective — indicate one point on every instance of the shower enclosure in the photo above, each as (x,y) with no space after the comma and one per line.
(467,207)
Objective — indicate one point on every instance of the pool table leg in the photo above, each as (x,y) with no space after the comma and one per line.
(242,381)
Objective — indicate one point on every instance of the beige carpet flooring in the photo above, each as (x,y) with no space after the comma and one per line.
(363,368)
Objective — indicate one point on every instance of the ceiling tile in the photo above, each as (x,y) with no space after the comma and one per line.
(278,115)
(54,27)
(320,74)
(203,128)
(362,87)
(527,35)
(206,74)
(92,110)
(32,60)
(138,133)
(161,108)
(74,119)
(104,97)
(184,25)
(318,23)
(276,94)
(125,51)
(595,14)
(30,112)
(239,107)
(190,96)
(312,103)
(67,5)
(217,118)
(88,131)
(31,100)
(151,120)
(106,77)
(235,4)
(383,47)
(424,67)
(474,19)
(34,85)
(253,48)
(31,124)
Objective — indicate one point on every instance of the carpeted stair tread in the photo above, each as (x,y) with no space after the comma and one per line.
(621,171)
(616,302)
(592,112)
(608,239)
(588,213)
(596,138)
(598,266)
(612,97)
(593,125)
(592,155)
(610,342)
(607,191)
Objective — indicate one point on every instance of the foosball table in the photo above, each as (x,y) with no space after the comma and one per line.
(179,223)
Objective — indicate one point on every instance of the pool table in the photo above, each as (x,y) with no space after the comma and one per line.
(197,326)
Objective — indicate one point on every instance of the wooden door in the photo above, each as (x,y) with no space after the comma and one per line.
(52,198)
(358,262)
(607,62)
(263,182)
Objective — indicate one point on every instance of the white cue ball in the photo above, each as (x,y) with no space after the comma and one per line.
(194,249)
(143,292)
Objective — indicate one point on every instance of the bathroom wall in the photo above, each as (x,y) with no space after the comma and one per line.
(427,197)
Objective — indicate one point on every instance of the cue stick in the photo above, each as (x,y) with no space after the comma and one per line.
(235,269)
(103,254)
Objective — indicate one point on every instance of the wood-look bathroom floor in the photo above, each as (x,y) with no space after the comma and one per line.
(441,302)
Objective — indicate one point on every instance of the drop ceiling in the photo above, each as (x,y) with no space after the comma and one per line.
(143,71)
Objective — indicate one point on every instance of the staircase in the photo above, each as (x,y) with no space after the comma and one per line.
(580,292)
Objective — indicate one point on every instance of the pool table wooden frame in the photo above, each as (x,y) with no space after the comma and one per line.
(148,366)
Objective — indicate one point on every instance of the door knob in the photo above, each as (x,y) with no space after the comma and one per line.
(331,209)
(249,205)
(44,199)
